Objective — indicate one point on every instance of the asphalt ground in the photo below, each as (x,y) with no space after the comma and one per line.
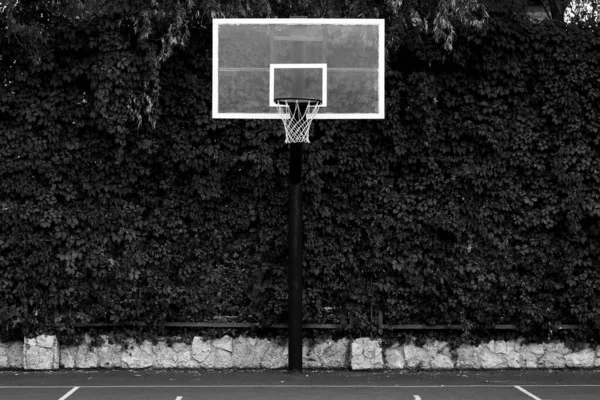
(325,385)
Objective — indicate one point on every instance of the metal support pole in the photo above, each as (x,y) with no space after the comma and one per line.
(295,263)
(295,228)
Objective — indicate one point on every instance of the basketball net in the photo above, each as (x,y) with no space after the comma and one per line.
(297,115)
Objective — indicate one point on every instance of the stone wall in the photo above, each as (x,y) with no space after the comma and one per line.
(45,353)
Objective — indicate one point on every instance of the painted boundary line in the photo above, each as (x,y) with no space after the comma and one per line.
(285,386)
(534,397)
(70,392)
(562,385)
(288,386)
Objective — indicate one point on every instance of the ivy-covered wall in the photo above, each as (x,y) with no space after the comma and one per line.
(475,202)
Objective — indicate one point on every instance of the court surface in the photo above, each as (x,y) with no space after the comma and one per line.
(326,385)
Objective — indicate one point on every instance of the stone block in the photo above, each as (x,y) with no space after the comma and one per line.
(183,356)
(166,356)
(67,356)
(513,359)
(416,357)
(468,357)
(247,352)
(394,357)
(11,355)
(200,349)
(275,356)
(41,353)
(580,359)
(528,360)
(138,356)
(213,353)
(366,354)
(442,361)
(15,355)
(329,354)
(3,355)
(223,350)
(87,356)
(492,360)
(336,354)
(309,358)
(551,359)
(109,354)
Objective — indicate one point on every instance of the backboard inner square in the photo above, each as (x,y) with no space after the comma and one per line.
(299,67)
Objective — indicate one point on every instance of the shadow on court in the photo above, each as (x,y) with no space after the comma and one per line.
(326,385)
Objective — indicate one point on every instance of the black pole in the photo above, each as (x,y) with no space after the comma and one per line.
(295,228)
(295,266)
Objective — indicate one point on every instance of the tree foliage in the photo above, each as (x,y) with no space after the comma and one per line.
(583,11)
(32,22)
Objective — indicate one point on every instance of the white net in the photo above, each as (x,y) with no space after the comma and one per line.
(297,115)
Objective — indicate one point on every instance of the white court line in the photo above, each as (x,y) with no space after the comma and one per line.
(70,392)
(287,386)
(264,386)
(565,385)
(534,397)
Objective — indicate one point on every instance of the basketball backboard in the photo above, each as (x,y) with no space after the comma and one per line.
(337,61)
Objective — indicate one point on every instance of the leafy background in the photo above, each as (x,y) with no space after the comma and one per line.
(475,202)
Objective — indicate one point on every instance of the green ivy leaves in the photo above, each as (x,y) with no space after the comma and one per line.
(474,202)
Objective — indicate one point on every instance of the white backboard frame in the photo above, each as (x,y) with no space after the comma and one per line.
(380,23)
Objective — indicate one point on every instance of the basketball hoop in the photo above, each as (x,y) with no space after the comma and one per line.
(297,115)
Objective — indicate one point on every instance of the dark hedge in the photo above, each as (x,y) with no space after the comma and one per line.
(475,202)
